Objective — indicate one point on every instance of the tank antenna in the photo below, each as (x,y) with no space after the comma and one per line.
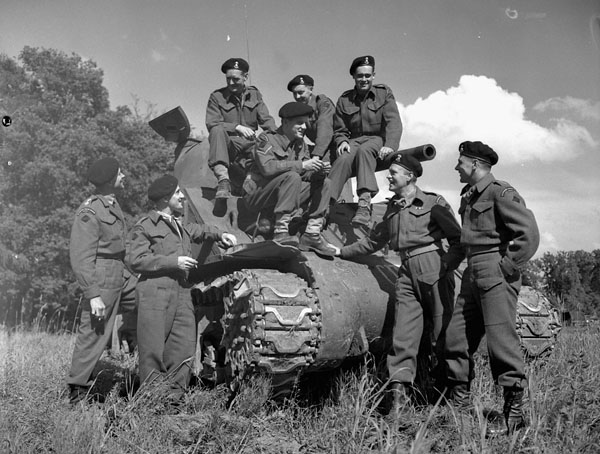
(247,41)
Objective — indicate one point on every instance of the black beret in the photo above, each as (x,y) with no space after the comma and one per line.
(300,79)
(365,60)
(295,109)
(103,170)
(409,163)
(479,150)
(235,63)
(162,187)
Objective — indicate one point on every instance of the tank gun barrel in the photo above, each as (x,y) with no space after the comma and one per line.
(422,153)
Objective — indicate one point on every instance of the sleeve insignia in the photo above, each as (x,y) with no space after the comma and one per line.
(260,150)
(85,210)
(505,191)
(85,218)
(517,199)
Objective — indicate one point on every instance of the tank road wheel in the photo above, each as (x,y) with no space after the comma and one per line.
(271,324)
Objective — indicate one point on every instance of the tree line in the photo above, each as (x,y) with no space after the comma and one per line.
(62,122)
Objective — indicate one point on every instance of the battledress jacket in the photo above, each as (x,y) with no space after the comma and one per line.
(156,245)
(427,220)
(98,231)
(228,110)
(494,214)
(374,115)
(320,125)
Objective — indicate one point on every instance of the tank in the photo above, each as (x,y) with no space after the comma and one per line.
(265,307)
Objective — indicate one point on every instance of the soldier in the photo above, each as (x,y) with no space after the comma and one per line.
(97,250)
(499,234)
(233,116)
(161,252)
(367,127)
(415,224)
(284,177)
(320,125)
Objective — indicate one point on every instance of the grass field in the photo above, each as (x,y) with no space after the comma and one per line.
(35,416)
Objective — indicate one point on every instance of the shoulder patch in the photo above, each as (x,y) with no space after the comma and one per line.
(84,210)
(505,190)
(85,218)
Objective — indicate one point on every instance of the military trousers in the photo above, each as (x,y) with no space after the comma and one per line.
(166,331)
(424,298)
(92,335)
(486,305)
(361,162)
(287,192)
(225,147)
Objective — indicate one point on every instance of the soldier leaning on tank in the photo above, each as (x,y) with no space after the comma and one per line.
(284,178)
(161,252)
(414,224)
(97,250)
(320,124)
(499,234)
(367,128)
(233,116)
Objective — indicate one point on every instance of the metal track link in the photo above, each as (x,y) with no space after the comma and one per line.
(272,324)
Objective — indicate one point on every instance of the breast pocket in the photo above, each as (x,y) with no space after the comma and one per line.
(418,220)
(351,115)
(375,117)
(111,228)
(482,216)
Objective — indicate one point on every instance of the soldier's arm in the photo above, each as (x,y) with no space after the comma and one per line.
(143,260)
(265,120)
(376,240)
(340,131)
(519,220)
(214,116)
(324,127)
(85,235)
(443,216)
(203,232)
(268,164)
(393,124)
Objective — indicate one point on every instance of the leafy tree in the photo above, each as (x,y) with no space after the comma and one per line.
(61,124)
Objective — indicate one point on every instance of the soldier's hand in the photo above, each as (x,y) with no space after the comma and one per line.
(344,147)
(313,164)
(326,167)
(186,263)
(228,240)
(384,151)
(98,307)
(245,132)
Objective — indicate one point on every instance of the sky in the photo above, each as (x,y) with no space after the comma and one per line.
(522,76)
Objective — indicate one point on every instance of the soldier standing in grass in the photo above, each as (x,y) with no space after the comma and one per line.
(414,224)
(161,252)
(499,235)
(233,115)
(97,250)
(367,128)
(320,124)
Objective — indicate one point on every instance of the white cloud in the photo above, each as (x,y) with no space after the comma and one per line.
(163,35)
(157,56)
(583,108)
(479,109)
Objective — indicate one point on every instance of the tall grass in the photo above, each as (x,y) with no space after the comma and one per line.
(35,417)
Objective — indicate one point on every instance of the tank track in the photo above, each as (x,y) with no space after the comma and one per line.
(271,324)
(538,323)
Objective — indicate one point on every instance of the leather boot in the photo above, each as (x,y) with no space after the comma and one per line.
(513,409)
(363,214)
(78,393)
(459,395)
(286,239)
(316,243)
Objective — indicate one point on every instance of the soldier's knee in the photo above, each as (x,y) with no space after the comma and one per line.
(217,130)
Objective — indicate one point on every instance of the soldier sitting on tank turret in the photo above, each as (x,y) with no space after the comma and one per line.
(367,128)
(233,116)
(320,124)
(415,223)
(284,177)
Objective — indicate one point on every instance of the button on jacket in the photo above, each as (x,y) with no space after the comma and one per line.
(227,110)
(374,115)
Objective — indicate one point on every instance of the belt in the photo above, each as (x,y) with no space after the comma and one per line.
(476,250)
(418,250)
(116,256)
